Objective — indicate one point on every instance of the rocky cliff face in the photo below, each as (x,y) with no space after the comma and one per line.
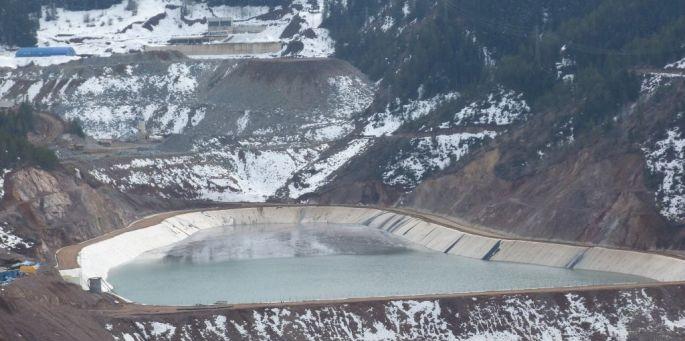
(48,210)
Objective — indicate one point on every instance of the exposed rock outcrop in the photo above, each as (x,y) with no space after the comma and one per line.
(58,208)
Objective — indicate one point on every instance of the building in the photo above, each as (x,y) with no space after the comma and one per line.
(45,51)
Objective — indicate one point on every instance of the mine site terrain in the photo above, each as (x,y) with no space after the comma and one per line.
(342,170)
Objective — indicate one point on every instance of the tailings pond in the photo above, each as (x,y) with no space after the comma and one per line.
(281,263)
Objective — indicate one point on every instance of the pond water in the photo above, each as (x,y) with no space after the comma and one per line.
(275,263)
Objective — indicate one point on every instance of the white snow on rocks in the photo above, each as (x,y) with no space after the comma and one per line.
(501,108)
(319,173)
(105,107)
(666,158)
(428,154)
(152,330)
(3,172)
(387,122)
(351,95)
(680,64)
(623,316)
(9,241)
(230,174)
(654,81)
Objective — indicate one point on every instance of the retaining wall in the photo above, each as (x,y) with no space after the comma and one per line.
(95,260)
(220,49)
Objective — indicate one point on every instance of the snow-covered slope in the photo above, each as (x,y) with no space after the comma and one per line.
(424,155)
(117,29)
(239,129)
(9,241)
(666,159)
(610,315)
(173,95)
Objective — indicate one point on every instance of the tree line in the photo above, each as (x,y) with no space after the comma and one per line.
(15,149)
(438,46)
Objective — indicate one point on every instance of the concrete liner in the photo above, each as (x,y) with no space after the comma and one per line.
(473,246)
(658,267)
(420,233)
(444,238)
(523,251)
(96,259)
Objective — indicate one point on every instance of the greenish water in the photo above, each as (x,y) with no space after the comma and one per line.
(273,263)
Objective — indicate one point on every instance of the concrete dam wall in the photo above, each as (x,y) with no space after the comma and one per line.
(97,259)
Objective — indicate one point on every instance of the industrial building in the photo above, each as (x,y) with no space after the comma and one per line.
(218,40)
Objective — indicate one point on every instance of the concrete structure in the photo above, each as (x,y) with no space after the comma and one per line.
(220,48)
(219,24)
(239,29)
(95,260)
(95,285)
(196,40)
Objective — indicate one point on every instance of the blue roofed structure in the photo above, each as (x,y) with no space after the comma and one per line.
(45,51)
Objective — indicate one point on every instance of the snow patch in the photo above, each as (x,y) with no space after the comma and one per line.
(387,122)
(666,158)
(319,173)
(501,108)
(680,64)
(9,241)
(429,154)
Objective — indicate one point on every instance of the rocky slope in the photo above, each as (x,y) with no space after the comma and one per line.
(43,211)
(537,178)
(540,157)
(238,129)
(622,315)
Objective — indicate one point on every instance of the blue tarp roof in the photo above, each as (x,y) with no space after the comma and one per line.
(45,51)
(8,276)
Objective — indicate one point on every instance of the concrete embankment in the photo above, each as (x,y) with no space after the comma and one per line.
(237,48)
(96,259)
